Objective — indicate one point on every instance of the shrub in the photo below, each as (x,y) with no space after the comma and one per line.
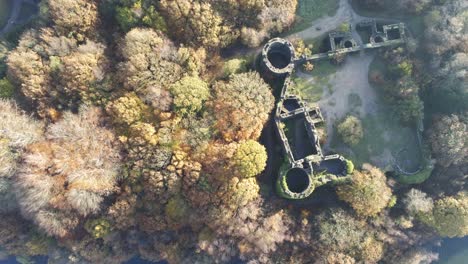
(350,130)
(98,228)
(6,88)
(368,192)
(392,202)
(344,27)
(234,66)
(349,167)
(417,202)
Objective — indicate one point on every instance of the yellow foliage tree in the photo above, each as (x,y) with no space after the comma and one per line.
(368,192)
(249,159)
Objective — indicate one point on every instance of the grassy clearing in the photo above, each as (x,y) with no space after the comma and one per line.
(312,90)
(310,10)
(383,139)
(5,7)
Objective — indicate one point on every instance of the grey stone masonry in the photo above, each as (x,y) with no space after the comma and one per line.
(310,168)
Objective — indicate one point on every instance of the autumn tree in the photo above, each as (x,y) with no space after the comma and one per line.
(83,70)
(444,31)
(417,202)
(189,94)
(152,65)
(340,230)
(448,91)
(17,131)
(449,216)
(196,22)
(368,192)
(28,70)
(350,130)
(219,23)
(68,175)
(54,71)
(76,16)
(253,230)
(448,140)
(371,250)
(127,109)
(446,43)
(234,66)
(278,15)
(242,106)
(245,11)
(130,14)
(249,159)
(275,17)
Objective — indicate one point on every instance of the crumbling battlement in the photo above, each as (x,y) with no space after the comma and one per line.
(307,166)
(278,56)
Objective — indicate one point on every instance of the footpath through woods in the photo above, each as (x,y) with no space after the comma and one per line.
(14,17)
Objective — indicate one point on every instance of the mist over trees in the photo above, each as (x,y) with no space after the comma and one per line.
(126,131)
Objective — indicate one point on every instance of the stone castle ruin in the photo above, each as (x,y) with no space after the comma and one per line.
(345,42)
(297,124)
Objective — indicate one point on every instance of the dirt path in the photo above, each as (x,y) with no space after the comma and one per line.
(14,18)
(345,13)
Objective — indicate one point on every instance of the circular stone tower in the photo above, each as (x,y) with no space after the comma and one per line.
(278,56)
(295,183)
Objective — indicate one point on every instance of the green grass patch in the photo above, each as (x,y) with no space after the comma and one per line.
(323,69)
(417,178)
(381,132)
(312,90)
(354,101)
(310,10)
(290,130)
(307,90)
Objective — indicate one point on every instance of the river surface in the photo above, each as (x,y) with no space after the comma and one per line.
(453,251)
